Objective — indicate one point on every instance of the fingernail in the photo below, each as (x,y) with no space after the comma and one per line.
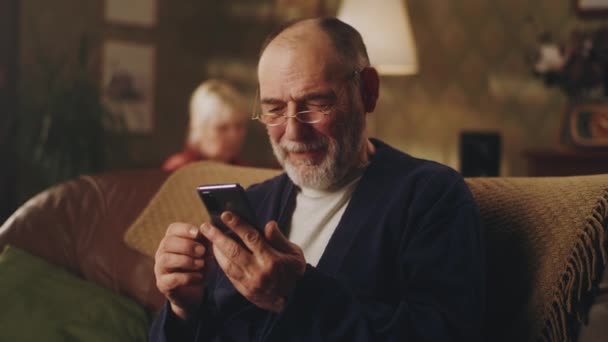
(227,217)
(199,262)
(205,227)
(193,231)
(199,250)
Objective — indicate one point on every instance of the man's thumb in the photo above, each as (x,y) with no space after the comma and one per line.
(276,238)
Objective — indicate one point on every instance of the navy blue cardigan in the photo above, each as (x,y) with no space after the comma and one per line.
(405,263)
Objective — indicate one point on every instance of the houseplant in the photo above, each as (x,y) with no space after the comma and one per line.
(62,122)
(579,66)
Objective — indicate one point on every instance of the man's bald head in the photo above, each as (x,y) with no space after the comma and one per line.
(345,41)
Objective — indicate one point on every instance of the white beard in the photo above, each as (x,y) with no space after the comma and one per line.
(342,155)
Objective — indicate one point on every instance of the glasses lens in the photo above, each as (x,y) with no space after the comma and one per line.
(272,119)
(309,116)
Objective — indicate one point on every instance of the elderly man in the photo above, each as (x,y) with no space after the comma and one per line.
(361,242)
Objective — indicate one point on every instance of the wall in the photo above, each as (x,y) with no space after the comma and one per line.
(194,39)
(473,72)
(474,76)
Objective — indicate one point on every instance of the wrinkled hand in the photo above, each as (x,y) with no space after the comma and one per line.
(265,269)
(179,266)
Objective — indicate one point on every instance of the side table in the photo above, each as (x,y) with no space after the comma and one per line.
(566,162)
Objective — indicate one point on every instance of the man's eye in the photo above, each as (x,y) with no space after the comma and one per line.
(275,110)
(317,106)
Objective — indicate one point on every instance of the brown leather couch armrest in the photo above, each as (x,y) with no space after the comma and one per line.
(80,225)
(43,225)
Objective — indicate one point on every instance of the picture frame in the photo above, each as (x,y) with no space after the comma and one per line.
(141,13)
(128,84)
(585,125)
(591,8)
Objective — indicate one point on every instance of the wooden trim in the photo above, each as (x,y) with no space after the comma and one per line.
(566,162)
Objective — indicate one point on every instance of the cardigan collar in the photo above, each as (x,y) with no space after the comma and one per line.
(354,216)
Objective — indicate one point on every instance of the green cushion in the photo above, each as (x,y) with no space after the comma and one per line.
(43,302)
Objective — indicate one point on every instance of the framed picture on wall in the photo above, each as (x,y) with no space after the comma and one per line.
(586,125)
(592,7)
(131,12)
(128,84)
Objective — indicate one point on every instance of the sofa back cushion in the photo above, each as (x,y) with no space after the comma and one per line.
(178,201)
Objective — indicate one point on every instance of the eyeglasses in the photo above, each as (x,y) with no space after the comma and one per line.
(305,116)
(279,118)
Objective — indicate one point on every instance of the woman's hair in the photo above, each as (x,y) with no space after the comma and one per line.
(212,100)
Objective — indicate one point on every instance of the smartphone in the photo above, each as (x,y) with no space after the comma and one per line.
(227,197)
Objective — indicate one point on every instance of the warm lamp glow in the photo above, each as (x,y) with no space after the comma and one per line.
(386,31)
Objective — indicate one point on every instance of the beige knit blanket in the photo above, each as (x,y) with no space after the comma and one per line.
(546,249)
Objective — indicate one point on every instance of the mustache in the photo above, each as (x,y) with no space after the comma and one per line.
(298,147)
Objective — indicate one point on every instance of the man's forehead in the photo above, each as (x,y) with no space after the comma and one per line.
(291,78)
(298,53)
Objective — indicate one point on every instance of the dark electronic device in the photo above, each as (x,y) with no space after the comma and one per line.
(227,197)
(480,154)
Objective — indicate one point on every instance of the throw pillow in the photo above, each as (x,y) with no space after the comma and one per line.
(43,302)
(177,200)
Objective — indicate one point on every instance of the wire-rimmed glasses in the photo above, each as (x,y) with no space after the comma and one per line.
(304,116)
(273,119)
(280,118)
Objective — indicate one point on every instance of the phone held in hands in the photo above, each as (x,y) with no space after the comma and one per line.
(218,198)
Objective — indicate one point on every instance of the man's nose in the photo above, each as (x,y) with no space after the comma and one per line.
(294,129)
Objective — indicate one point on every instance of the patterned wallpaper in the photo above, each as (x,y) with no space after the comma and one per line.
(473,71)
(474,76)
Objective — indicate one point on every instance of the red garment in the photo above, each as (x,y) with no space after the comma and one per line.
(177,160)
(186,156)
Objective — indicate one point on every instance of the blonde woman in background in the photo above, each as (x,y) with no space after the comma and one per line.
(217,127)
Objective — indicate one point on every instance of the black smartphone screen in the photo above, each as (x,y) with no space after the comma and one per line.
(226,197)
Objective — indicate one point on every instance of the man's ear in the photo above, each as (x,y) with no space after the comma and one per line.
(370,83)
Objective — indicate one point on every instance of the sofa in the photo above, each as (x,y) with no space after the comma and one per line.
(546,239)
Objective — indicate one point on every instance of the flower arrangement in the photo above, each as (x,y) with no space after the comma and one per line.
(579,67)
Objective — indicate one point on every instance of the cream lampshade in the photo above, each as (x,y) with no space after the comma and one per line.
(385,28)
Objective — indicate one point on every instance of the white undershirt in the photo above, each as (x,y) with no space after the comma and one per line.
(316,217)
